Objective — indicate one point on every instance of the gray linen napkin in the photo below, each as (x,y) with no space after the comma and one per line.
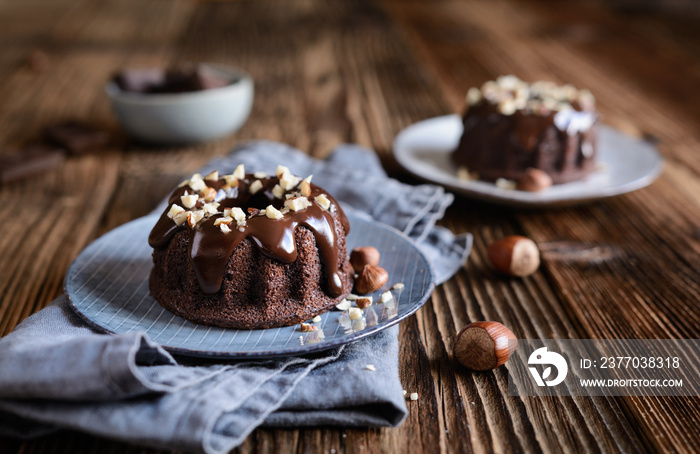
(55,372)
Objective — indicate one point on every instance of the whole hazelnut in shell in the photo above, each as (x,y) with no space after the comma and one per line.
(484,345)
(361,256)
(370,279)
(534,180)
(514,255)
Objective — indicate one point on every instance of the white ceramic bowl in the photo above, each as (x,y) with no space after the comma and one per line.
(181,118)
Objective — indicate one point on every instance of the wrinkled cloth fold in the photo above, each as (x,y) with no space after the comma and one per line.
(55,372)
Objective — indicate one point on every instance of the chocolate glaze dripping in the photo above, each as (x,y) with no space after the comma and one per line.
(210,248)
(528,128)
(496,145)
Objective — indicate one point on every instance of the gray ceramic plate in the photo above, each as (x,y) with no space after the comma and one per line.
(108,286)
(626,164)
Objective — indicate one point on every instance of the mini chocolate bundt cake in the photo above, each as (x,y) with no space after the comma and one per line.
(511,126)
(250,250)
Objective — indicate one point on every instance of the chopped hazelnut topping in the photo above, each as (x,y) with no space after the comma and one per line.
(174,210)
(463,173)
(305,188)
(586,99)
(570,91)
(181,217)
(563,106)
(289,181)
(281,170)
(490,90)
(213,176)
(511,94)
(210,208)
(507,107)
(238,215)
(316,319)
(273,213)
(225,228)
(505,184)
(261,175)
(305,327)
(196,182)
(414,396)
(323,201)
(405,392)
(473,96)
(252,211)
(549,103)
(359,324)
(191,219)
(387,296)
(508,82)
(239,173)
(223,220)
(189,200)
(398,286)
(370,367)
(278,191)
(354,313)
(343,305)
(353,297)
(208,194)
(231,181)
(256,186)
(297,203)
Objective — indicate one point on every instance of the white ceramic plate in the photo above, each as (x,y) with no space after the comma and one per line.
(626,164)
(107,286)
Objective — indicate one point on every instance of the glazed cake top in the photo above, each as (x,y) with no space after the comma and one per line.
(219,211)
(570,109)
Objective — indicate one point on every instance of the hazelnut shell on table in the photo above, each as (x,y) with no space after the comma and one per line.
(370,279)
(514,255)
(361,256)
(484,345)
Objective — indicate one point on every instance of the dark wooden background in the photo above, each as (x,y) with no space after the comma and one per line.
(360,71)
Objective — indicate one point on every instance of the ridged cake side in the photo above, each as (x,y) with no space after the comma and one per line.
(257,291)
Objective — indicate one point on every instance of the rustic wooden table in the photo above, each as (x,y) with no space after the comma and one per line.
(360,71)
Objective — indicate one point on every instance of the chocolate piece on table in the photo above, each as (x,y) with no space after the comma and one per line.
(77,137)
(181,79)
(30,161)
(139,80)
